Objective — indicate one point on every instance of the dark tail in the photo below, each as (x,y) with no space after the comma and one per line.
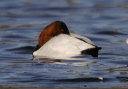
(91,51)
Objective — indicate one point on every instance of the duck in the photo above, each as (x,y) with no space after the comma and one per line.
(56,41)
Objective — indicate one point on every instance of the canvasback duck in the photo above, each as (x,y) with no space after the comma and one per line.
(56,41)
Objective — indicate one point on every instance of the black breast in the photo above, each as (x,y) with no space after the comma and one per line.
(36,48)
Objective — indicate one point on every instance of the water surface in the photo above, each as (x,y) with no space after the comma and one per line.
(104,22)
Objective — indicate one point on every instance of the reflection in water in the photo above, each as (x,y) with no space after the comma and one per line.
(65,61)
(104,22)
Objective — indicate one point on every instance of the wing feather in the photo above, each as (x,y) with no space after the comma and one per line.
(63,46)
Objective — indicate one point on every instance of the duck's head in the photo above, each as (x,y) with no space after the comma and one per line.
(53,29)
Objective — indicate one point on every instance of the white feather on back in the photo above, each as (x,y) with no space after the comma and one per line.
(64,46)
(82,37)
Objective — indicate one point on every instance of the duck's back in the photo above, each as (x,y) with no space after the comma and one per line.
(64,46)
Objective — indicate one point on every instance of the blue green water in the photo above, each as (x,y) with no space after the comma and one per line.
(104,22)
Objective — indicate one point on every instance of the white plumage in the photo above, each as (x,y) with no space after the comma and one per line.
(66,45)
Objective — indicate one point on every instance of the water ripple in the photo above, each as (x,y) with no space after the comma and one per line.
(104,22)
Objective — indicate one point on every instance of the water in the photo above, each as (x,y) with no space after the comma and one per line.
(104,22)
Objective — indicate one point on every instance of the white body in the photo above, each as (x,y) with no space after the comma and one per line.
(127,41)
(64,46)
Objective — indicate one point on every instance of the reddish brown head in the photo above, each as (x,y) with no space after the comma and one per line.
(54,29)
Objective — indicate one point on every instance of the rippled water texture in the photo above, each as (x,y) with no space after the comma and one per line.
(105,22)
